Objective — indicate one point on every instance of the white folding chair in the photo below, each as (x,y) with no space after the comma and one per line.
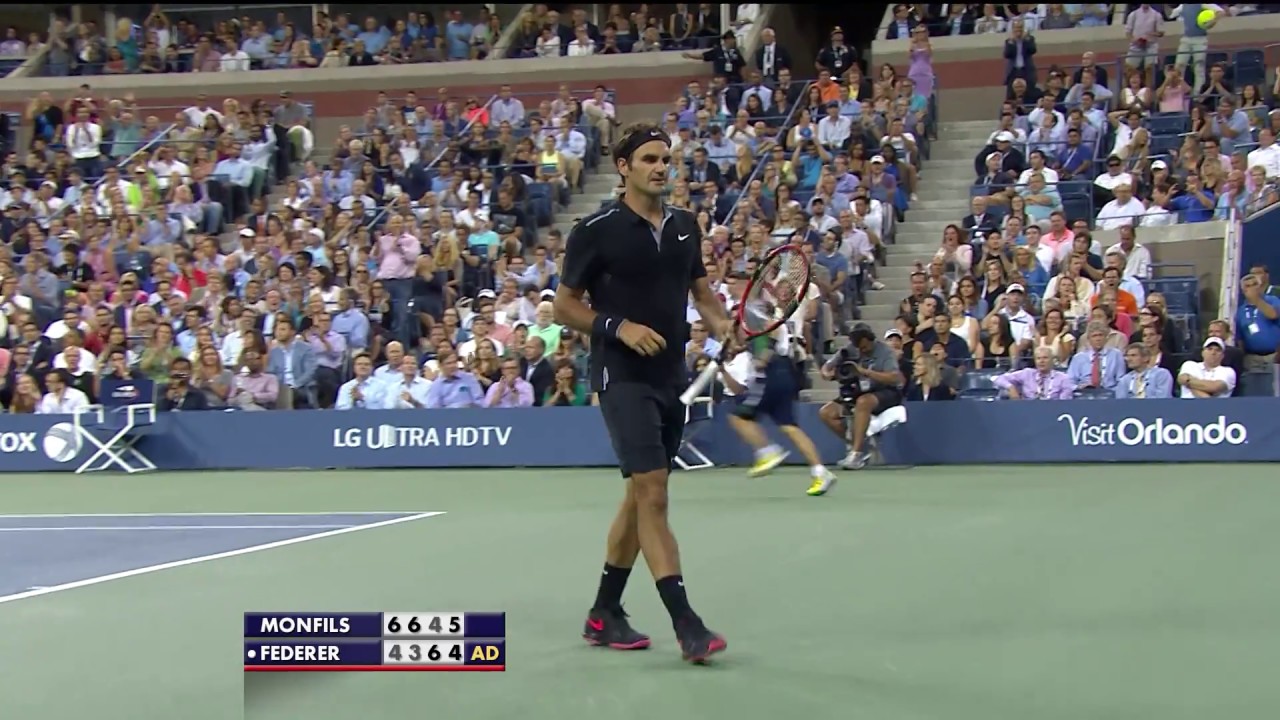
(115,443)
(698,460)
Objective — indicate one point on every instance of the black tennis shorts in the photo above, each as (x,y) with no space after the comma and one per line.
(773,396)
(646,425)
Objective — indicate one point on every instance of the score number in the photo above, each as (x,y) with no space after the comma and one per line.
(410,652)
(415,625)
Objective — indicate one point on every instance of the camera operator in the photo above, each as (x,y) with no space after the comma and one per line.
(180,396)
(870,383)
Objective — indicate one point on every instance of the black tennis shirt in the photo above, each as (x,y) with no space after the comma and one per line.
(632,270)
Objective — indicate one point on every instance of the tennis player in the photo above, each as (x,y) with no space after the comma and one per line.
(772,391)
(638,260)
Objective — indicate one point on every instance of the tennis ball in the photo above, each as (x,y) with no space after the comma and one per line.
(1206,18)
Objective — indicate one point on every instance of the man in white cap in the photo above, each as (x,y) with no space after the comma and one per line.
(1011,158)
(1209,378)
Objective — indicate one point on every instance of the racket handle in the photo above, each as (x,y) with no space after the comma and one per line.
(700,383)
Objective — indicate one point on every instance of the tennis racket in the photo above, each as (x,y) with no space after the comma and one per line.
(773,294)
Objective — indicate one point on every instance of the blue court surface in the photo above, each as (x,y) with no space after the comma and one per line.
(41,554)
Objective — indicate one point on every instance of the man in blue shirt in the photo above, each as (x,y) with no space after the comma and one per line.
(458,37)
(454,388)
(238,174)
(1258,326)
(1096,366)
(1143,381)
(1196,204)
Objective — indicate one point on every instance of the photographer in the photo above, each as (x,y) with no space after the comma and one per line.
(870,383)
(180,396)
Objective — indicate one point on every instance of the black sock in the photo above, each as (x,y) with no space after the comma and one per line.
(671,589)
(612,583)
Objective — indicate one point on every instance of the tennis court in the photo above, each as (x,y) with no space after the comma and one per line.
(959,593)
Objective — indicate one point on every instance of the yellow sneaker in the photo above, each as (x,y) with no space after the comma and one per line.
(766,463)
(822,483)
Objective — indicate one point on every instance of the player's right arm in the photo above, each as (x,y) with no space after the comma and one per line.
(581,264)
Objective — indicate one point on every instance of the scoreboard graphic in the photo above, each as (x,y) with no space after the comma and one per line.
(375,641)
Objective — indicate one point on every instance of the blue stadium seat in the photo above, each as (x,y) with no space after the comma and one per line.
(1250,68)
(1168,124)
(979,385)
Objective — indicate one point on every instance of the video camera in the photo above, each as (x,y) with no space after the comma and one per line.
(846,363)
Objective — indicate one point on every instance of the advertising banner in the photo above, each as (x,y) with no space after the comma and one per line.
(1031,432)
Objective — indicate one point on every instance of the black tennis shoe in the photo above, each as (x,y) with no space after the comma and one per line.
(610,628)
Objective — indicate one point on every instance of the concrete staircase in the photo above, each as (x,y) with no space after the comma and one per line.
(597,188)
(944,199)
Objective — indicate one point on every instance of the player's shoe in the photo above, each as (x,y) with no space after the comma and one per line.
(697,643)
(767,461)
(855,460)
(822,483)
(610,628)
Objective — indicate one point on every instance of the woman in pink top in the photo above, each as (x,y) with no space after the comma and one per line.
(1171,96)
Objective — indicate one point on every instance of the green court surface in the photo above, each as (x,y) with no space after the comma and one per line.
(1012,593)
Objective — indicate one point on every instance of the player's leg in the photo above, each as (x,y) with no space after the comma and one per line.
(607,623)
(658,543)
(823,479)
(755,403)
(783,395)
(750,432)
(771,395)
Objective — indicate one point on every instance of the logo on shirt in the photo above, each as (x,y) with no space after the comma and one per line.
(1134,431)
(386,437)
(682,238)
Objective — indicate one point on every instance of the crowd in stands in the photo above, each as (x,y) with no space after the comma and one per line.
(410,262)
(159,44)
(1130,146)
(223,258)
(548,33)
(938,20)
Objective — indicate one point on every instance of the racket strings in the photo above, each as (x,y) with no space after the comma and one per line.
(776,293)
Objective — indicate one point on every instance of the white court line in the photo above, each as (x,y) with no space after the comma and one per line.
(87,582)
(139,528)
(19,516)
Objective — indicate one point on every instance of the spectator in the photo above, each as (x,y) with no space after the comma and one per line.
(1207,378)
(1098,367)
(293,362)
(409,391)
(926,383)
(454,388)
(1041,382)
(180,395)
(61,399)
(512,390)
(1144,380)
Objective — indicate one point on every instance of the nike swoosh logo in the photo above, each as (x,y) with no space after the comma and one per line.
(607,323)
(597,625)
(683,238)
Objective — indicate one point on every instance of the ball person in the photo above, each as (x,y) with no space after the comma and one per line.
(637,260)
(772,391)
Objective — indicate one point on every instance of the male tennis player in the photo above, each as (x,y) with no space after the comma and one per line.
(638,259)
(772,391)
